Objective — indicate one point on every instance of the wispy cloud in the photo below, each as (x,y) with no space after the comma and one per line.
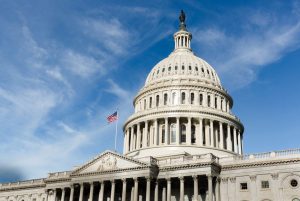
(265,39)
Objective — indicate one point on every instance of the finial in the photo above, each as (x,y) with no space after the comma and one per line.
(182,25)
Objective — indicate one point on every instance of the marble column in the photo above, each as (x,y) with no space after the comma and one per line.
(138,136)
(167,133)
(239,142)
(148,187)
(132,194)
(189,131)
(155,132)
(112,191)
(81,192)
(229,143)
(124,187)
(55,194)
(181,188)
(63,192)
(234,140)
(169,189)
(221,135)
(210,188)
(207,136)
(195,178)
(101,192)
(156,191)
(145,137)
(136,189)
(71,192)
(164,194)
(91,191)
(216,132)
(200,138)
(177,130)
(212,134)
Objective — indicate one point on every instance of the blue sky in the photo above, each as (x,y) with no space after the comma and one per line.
(66,65)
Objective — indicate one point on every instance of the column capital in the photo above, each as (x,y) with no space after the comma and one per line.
(148,178)
(195,176)
(168,178)
(112,181)
(253,177)
(124,180)
(135,179)
(181,178)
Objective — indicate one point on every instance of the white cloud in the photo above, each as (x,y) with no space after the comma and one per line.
(238,58)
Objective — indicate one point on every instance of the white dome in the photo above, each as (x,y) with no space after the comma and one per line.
(183,64)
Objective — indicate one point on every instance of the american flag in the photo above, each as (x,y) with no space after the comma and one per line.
(113,117)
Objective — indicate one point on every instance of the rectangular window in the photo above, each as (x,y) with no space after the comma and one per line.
(243,186)
(265,184)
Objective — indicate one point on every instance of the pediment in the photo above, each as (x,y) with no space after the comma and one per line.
(108,161)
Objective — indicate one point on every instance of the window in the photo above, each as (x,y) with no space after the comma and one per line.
(296,199)
(157,71)
(216,101)
(192,98)
(173,133)
(208,100)
(183,134)
(202,70)
(150,102)
(169,69)
(145,104)
(190,67)
(294,183)
(201,99)
(196,68)
(165,99)
(163,132)
(243,186)
(182,67)
(193,130)
(176,67)
(207,71)
(182,98)
(157,100)
(265,184)
(163,70)
(222,104)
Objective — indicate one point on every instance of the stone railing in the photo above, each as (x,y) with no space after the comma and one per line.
(22,183)
(182,160)
(290,153)
(58,175)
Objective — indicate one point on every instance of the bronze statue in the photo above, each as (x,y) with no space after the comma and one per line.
(182,17)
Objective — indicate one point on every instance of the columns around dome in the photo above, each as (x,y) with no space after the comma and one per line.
(191,131)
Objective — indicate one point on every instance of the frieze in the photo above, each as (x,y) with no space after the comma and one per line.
(275,176)
(108,163)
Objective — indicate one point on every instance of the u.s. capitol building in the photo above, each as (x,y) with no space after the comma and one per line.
(181,144)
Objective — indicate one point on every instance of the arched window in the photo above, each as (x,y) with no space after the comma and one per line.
(296,199)
(173,133)
(190,67)
(193,130)
(182,67)
(216,101)
(150,102)
(174,98)
(192,98)
(163,133)
(208,100)
(201,99)
(222,104)
(183,134)
(157,100)
(169,69)
(182,98)
(165,99)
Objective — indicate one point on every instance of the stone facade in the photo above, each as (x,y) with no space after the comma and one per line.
(182,144)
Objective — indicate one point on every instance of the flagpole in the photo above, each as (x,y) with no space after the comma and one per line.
(116,135)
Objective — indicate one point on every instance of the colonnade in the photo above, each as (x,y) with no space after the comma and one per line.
(143,189)
(192,131)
